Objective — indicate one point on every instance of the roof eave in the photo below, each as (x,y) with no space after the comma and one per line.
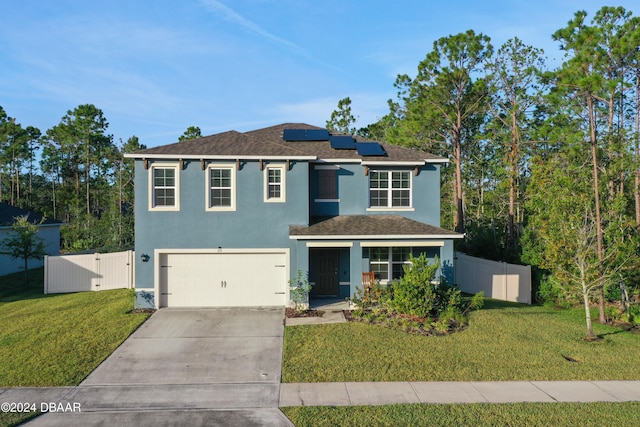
(373,236)
(140,156)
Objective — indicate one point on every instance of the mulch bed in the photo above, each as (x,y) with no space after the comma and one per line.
(292,313)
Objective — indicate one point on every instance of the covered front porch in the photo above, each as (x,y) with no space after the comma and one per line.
(336,251)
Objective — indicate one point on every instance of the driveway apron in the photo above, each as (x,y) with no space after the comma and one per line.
(199,366)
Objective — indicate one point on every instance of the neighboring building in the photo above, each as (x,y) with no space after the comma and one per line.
(228,219)
(49,231)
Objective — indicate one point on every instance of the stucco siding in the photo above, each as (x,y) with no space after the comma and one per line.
(353,193)
(51,236)
(253,224)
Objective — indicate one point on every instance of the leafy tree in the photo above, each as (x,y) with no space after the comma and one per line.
(79,157)
(25,244)
(516,90)
(341,119)
(590,81)
(446,103)
(192,132)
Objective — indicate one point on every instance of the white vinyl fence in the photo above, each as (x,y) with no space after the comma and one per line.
(90,272)
(499,280)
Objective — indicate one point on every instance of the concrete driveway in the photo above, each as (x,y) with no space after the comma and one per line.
(187,366)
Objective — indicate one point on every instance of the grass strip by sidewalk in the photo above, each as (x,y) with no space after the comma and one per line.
(593,414)
(504,342)
(57,340)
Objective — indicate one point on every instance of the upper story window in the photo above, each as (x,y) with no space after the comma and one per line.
(221,188)
(389,189)
(327,183)
(164,187)
(275,183)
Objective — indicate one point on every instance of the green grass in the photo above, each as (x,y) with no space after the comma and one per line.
(9,419)
(503,342)
(13,287)
(513,414)
(57,340)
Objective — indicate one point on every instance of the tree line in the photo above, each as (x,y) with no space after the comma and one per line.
(544,162)
(75,173)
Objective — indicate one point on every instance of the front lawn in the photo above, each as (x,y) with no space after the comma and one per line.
(504,341)
(593,414)
(57,340)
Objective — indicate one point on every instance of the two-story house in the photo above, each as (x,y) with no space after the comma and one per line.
(228,219)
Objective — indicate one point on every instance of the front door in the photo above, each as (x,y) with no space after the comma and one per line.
(327,281)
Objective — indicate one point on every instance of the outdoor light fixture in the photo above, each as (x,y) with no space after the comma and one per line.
(145,257)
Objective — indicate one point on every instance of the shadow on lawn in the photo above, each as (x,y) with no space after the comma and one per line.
(494,304)
(13,287)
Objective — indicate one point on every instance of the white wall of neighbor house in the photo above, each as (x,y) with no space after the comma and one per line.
(499,280)
(50,234)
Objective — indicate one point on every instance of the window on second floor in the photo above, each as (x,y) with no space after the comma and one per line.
(164,187)
(390,189)
(275,183)
(221,188)
(327,184)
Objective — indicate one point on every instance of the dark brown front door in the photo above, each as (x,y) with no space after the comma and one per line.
(326,272)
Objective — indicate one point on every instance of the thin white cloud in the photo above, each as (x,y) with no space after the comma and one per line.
(220,9)
(235,18)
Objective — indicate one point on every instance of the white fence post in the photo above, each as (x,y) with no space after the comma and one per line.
(46,280)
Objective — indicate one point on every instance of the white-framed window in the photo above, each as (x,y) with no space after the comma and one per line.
(275,183)
(164,187)
(389,189)
(388,263)
(221,188)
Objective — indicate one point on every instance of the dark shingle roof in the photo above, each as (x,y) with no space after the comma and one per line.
(8,214)
(268,142)
(371,225)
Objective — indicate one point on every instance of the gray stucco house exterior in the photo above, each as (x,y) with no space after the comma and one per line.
(229,219)
(48,231)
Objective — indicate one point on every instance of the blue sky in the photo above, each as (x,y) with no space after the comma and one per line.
(157,67)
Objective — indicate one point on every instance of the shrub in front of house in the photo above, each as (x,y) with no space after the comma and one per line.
(416,302)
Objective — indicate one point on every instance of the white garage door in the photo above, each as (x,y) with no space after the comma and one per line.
(223,279)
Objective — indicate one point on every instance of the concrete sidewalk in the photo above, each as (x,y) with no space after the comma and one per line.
(193,397)
(384,393)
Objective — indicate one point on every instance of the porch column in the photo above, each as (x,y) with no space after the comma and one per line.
(446,261)
(356,266)
(300,259)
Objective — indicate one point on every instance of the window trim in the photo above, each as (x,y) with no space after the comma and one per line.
(389,189)
(283,183)
(207,188)
(389,261)
(152,202)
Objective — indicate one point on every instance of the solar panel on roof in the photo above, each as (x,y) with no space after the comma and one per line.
(342,142)
(317,135)
(370,149)
(294,135)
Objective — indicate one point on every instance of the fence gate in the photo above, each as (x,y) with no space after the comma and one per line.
(90,272)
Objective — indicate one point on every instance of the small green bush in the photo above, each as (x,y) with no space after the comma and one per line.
(410,303)
(299,289)
(415,294)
